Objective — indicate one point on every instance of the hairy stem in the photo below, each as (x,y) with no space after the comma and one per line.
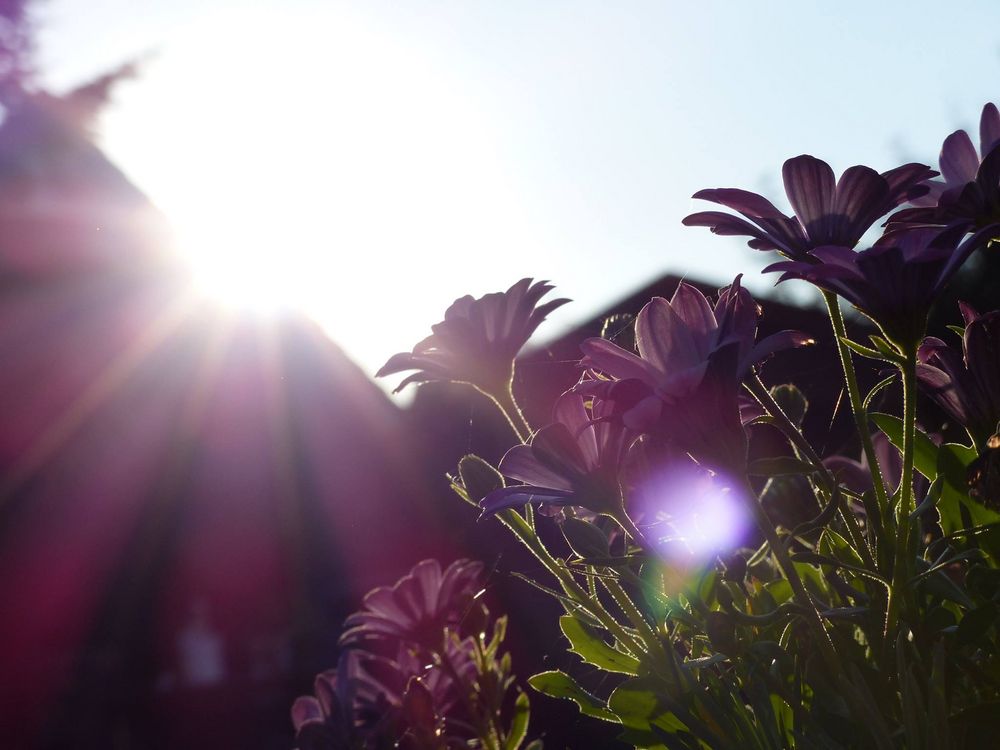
(881,509)
(653,644)
(798,440)
(798,588)
(899,594)
(507,405)
(516,523)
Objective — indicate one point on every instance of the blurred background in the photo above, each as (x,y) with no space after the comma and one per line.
(218,219)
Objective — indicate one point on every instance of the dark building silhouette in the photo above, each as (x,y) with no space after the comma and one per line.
(190,500)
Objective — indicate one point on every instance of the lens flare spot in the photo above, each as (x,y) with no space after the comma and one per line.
(691,514)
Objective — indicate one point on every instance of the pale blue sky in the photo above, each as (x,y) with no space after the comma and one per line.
(429,149)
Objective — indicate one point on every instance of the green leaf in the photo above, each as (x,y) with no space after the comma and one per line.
(925,453)
(706,585)
(519,723)
(638,703)
(585,539)
(588,644)
(792,402)
(779,466)
(976,623)
(886,349)
(558,684)
(876,389)
(834,545)
(478,478)
(952,464)
(863,350)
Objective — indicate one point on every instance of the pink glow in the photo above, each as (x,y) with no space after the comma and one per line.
(690,514)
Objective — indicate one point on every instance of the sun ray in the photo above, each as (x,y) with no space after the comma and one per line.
(98,392)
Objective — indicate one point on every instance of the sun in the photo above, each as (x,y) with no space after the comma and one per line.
(340,174)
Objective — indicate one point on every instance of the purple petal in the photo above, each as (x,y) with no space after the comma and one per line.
(963,251)
(836,255)
(737,313)
(691,306)
(664,339)
(427,578)
(940,386)
(305,710)
(775,343)
(959,160)
(969,313)
(728,225)
(571,412)
(644,415)
(907,183)
(601,354)
(989,129)
(521,463)
(852,474)
(862,194)
(555,447)
(382,601)
(512,497)
(747,203)
(810,186)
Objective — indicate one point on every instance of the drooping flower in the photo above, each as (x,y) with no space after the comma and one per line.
(895,282)
(371,701)
(478,339)
(966,385)
(969,194)
(690,363)
(826,211)
(420,606)
(573,461)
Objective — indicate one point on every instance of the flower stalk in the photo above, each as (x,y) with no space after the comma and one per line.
(881,509)
(900,595)
(798,440)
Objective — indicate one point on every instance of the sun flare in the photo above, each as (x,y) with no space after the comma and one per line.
(334,166)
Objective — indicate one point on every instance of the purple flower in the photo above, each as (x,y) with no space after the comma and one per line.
(375,701)
(827,211)
(574,461)
(969,195)
(327,719)
(855,474)
(420,606)
(691,360)
(966,385)
(478,339)
(894,283)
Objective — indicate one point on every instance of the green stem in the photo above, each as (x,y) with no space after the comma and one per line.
(638,620)
(507,405)
(798,588)
(516,523)
(625,521)
(881,509)
(901,572)
(486,725)
(798,440)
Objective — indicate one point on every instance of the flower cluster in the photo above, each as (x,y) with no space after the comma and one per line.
(764,594)
(895,281)
(416,671)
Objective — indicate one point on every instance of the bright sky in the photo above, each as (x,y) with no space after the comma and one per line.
(373,160)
